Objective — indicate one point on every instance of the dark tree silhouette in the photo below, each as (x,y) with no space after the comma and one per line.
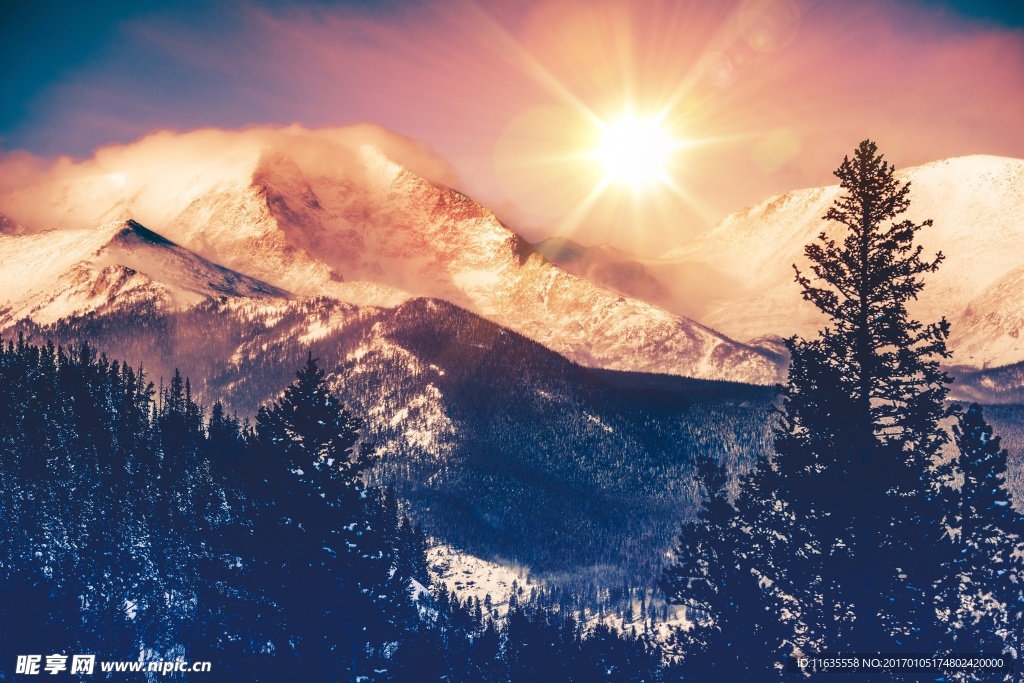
(735,632)
(869,390)
(982,586)
(315,436)
(861,412)
(826,536)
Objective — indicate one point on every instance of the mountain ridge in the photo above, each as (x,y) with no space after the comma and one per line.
(369,231)
(977,205)
(960,194)
(118,264)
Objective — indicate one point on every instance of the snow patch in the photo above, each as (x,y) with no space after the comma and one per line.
(470,576)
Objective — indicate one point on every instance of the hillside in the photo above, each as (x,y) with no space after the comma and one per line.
(487,434)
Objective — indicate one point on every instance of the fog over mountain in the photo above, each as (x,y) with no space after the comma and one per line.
(369,231)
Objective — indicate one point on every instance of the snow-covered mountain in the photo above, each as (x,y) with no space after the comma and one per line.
(48,276)
(328,213)
(738,278)
(349,222)
(977,205)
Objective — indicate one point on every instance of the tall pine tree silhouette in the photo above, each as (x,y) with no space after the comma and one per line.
(824,542)
(315,436)
(872,378)
(338,565)
(861,412)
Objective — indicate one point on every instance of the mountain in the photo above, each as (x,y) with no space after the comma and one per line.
(52,275)
(738,278)
(462,347)
(487,435)
(977,205)
(491,380)
(344,220)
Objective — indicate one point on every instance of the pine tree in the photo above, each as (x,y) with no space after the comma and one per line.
(730,565)
(824,540)
(315,437)
(872,378)
(983,582)
(339,546)
(862,408)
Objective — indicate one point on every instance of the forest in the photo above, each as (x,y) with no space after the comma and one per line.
(486,435)
(882,522)
(138,528)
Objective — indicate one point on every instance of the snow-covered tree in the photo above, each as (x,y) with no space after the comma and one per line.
(982,587)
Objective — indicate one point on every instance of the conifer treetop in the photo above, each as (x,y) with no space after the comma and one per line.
(884,361)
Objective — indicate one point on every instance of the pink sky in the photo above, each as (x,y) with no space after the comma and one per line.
(774,93)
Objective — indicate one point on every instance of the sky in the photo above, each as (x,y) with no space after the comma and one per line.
(757,96)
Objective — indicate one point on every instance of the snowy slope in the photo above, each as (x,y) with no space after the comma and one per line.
(52,275)
(384,225)
(977,205)
(393,227)
(352,224)
(469,576)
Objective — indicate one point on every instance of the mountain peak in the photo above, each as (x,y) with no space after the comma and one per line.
(344,215)
(134,230)
(279,171)
(379,167)
(51,275)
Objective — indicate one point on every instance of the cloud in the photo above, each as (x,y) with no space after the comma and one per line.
(153,179)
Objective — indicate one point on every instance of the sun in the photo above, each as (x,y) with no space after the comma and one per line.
(635,151)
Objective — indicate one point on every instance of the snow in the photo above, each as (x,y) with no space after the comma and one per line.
(596,420)
(368,231)
(359,227)
(476,279)
(320,328)
(418,590)
(399,416)
(51,275)
(471,576)
(977,205)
